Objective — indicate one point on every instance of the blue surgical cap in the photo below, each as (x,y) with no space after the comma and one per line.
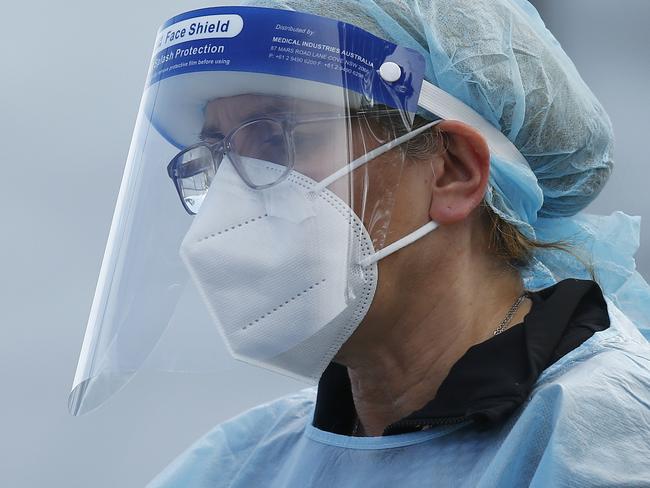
(498,57)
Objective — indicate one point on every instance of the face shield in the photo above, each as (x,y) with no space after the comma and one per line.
(262,178)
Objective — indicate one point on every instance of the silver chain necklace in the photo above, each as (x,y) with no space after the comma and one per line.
(506,320)
(356,430)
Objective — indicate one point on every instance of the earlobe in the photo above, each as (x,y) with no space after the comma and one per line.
(460,173)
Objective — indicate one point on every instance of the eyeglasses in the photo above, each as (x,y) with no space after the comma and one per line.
(270,138)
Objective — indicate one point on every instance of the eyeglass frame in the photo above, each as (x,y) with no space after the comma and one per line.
(288,122)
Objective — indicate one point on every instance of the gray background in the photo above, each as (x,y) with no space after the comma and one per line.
(71,76)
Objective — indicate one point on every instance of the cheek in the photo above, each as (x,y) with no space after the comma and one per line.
(375,190)
(411,204)
(381,192)
(320,164)
(321,151)
(329,153)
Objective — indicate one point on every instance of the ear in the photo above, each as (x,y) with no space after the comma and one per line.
(460,174)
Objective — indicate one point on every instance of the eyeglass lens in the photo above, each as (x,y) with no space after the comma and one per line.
(263,139)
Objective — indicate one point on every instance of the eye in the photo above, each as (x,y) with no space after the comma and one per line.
(274,139)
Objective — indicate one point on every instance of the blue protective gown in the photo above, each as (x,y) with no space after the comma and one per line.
(585,423)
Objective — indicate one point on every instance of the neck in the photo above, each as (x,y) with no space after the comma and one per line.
(397,359)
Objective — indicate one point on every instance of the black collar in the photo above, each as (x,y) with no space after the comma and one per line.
(492,378)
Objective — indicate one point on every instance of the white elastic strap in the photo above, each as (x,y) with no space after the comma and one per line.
(375,153)
(397,245)
(448,107)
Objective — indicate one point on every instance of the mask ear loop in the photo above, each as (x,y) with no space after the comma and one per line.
(401,243)
(375,153)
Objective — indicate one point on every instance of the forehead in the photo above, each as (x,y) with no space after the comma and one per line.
(239,108)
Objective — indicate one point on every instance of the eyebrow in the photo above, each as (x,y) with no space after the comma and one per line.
(210,132)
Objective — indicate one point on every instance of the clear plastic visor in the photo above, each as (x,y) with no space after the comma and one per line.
(228,160)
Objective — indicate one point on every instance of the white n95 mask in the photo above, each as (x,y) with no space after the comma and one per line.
(279,269)
(288,272)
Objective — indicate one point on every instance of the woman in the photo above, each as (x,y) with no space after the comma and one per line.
(489,356)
